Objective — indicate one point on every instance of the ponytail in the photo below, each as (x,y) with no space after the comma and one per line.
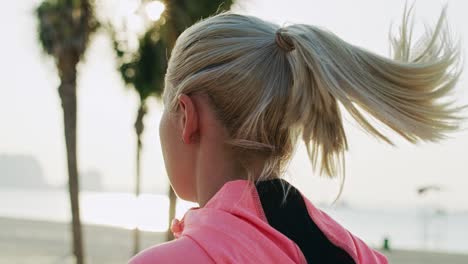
(269,85)
(402,93)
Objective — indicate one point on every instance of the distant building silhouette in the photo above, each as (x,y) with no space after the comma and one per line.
(21,171)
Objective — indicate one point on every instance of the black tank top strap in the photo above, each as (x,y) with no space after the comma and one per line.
(293,220)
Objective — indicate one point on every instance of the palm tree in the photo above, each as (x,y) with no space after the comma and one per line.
(64,28)
(144,69)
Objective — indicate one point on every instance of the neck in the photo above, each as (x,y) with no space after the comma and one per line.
(213,172)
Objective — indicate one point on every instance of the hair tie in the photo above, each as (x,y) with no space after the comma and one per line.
(284,42)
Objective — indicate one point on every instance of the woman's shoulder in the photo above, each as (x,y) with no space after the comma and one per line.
(180,250)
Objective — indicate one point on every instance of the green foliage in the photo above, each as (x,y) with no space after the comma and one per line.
(65,26)
(184,13)
(144,69)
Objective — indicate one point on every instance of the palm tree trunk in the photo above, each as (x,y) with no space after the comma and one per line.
(139,127)
(67,92)
(172,207)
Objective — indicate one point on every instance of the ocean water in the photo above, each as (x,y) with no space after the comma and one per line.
(405,228)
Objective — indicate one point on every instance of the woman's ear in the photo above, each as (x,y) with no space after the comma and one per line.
(189,119)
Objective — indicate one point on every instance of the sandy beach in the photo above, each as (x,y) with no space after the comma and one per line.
(24,242)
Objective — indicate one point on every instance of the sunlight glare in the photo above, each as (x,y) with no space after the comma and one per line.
(154,10)
(114,209)
(152,212)
(128,7)
(148,212)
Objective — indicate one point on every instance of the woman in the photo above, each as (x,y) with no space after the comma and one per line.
(240,91)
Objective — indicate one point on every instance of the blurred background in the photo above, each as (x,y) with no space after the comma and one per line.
(94,70)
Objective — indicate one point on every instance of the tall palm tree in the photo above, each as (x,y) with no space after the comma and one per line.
(144,69)
(64,28)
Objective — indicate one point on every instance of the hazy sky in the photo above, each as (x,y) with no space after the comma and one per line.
(377,174)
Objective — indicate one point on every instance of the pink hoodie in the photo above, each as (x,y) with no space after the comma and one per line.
(232,228)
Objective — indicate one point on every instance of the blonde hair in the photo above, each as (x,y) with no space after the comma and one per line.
(269,85)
